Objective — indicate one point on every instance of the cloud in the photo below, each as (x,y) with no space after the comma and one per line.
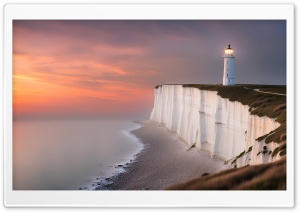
(120,60)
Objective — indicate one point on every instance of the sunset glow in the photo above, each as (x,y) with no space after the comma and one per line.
(109,68)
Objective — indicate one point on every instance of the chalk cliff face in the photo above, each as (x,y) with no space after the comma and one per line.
(225,129)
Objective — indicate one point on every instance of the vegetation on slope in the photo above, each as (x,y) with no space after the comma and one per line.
(274,89)
(261,104)
(269,176)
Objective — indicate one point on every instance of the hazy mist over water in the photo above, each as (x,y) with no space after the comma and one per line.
(73,80)
(67,154)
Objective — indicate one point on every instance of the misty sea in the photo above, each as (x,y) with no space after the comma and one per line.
(71,154)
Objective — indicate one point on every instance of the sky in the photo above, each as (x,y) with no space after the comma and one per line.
(108,69)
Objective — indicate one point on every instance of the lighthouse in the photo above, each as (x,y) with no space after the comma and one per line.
(228,78)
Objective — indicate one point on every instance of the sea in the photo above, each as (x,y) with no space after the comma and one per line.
(74,154)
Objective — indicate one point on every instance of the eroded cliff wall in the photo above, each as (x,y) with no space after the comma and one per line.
(225,129)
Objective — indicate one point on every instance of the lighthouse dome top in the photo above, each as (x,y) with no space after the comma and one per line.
(229,51)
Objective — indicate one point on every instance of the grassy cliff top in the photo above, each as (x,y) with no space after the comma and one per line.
(263,100)
(259,98)
(281,89)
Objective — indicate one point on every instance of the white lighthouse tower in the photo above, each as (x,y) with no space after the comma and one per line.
(228,78)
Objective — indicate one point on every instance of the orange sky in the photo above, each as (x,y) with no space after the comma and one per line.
(72,92)
(110,68)
(51,81)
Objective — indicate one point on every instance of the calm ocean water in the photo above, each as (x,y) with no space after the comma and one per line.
(71,154)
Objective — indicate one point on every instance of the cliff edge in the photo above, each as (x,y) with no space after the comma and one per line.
(242,125)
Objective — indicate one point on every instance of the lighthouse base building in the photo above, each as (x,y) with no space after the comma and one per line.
(228,77)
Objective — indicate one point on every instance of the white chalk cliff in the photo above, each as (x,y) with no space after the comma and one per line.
(225,129)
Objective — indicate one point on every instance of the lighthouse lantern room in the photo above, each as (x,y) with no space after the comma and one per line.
(228,78)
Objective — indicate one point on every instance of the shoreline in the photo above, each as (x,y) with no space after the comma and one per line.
(116,169)
(164,160)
